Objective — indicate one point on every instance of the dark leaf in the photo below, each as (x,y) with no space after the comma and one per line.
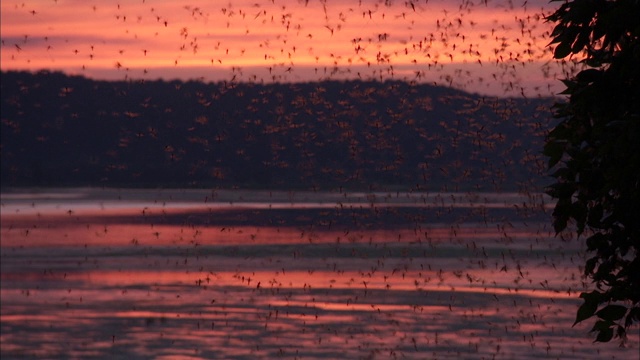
(562,190)
(604,335)
(633,317)
(553,150)
(585,311)
(589,75)
(564,174)
(596,241)
(590,265)
(595,216)
(581,42)
(559,224)
(612,312)
(563,49)
(579,213)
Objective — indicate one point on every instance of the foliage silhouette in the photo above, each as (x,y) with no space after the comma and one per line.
(595,153)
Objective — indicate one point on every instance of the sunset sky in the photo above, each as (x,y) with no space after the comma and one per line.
(493,47)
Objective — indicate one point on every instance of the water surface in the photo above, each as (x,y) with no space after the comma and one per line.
(103,273)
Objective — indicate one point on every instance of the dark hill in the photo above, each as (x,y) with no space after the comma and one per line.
(59,130)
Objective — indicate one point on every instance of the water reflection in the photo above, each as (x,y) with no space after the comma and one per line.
(170,275)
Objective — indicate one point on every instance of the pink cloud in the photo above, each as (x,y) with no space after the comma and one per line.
(355,38)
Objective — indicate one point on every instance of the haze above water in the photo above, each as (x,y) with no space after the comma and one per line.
(103,273)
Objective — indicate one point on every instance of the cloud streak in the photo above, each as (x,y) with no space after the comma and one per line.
(352,38)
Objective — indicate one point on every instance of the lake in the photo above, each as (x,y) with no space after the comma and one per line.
(239,274)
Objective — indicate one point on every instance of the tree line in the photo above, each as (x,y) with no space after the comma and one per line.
(60,130)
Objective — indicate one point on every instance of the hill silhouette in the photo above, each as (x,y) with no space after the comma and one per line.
(60,130)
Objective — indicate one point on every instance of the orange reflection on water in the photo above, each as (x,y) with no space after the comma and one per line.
(70,289)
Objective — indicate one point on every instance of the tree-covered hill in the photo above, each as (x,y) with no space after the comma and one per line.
(59,130)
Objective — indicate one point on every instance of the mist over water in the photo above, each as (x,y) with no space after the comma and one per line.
(103,273)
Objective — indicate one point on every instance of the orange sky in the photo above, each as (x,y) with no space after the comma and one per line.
(492,47)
